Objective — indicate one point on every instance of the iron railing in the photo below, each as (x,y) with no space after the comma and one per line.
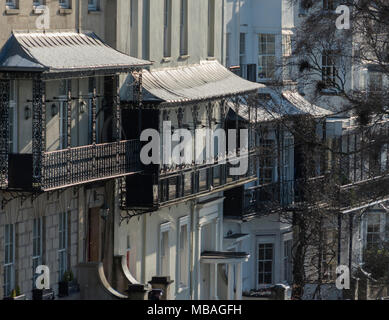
(277,195)
(201,179)
(89,163)
(364,191)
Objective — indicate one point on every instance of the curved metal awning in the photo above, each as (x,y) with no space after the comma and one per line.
(200,82)
(271,105)
(62,51)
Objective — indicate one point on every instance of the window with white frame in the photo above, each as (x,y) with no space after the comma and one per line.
(265,263)
(183,252)
(37,250)
(164,250)
(228,48)
(242,55)
(288,263)
(329,68)
(373,234)
(65,85)
(93,5)
(9,259)
(63,244)
(65,4)
(184,28)
(286,53)
(167,30)
(375,228)
(37,3)
(266,161)
(11,4)
(266,56)
(211,28)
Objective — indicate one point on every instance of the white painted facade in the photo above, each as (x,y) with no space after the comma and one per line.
(155,239)
(245,21)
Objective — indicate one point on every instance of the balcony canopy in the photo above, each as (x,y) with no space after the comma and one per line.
(272,105)
(217,257)
(201,82)
(62,52)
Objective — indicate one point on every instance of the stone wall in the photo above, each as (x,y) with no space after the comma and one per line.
(49,208)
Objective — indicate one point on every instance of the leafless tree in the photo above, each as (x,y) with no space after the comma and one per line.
(354,170)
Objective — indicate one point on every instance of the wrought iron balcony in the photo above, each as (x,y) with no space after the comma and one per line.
(75,166)
(363,192)
(268,198)
(160,188)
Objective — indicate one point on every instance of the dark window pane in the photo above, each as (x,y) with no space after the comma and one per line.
(268,278)
(269,253)
(268,266)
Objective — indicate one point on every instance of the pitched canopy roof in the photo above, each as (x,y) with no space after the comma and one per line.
(272,105)
(207,80)
(62,51)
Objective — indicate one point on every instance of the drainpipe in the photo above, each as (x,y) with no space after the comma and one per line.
(223,35)
(193,251)
(78,18)
(143,274)
(350,255)
(340,235)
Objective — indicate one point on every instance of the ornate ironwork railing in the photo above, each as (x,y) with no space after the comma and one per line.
(273,196)
(201,179)
(89,163)
(363,192)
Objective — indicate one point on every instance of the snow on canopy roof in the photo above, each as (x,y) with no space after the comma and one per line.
(207,80)
(61,51)
(271,105)
(303,106)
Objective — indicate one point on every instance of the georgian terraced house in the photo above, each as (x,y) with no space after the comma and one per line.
(81,80)
(61,141)
(259,47)
(75,196)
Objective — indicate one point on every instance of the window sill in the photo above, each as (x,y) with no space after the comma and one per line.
(184,57)
(166,59)
(38,11)
(94,11)
(11,11)
(65,10)
(289,81)
(265,80)
(211,58)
